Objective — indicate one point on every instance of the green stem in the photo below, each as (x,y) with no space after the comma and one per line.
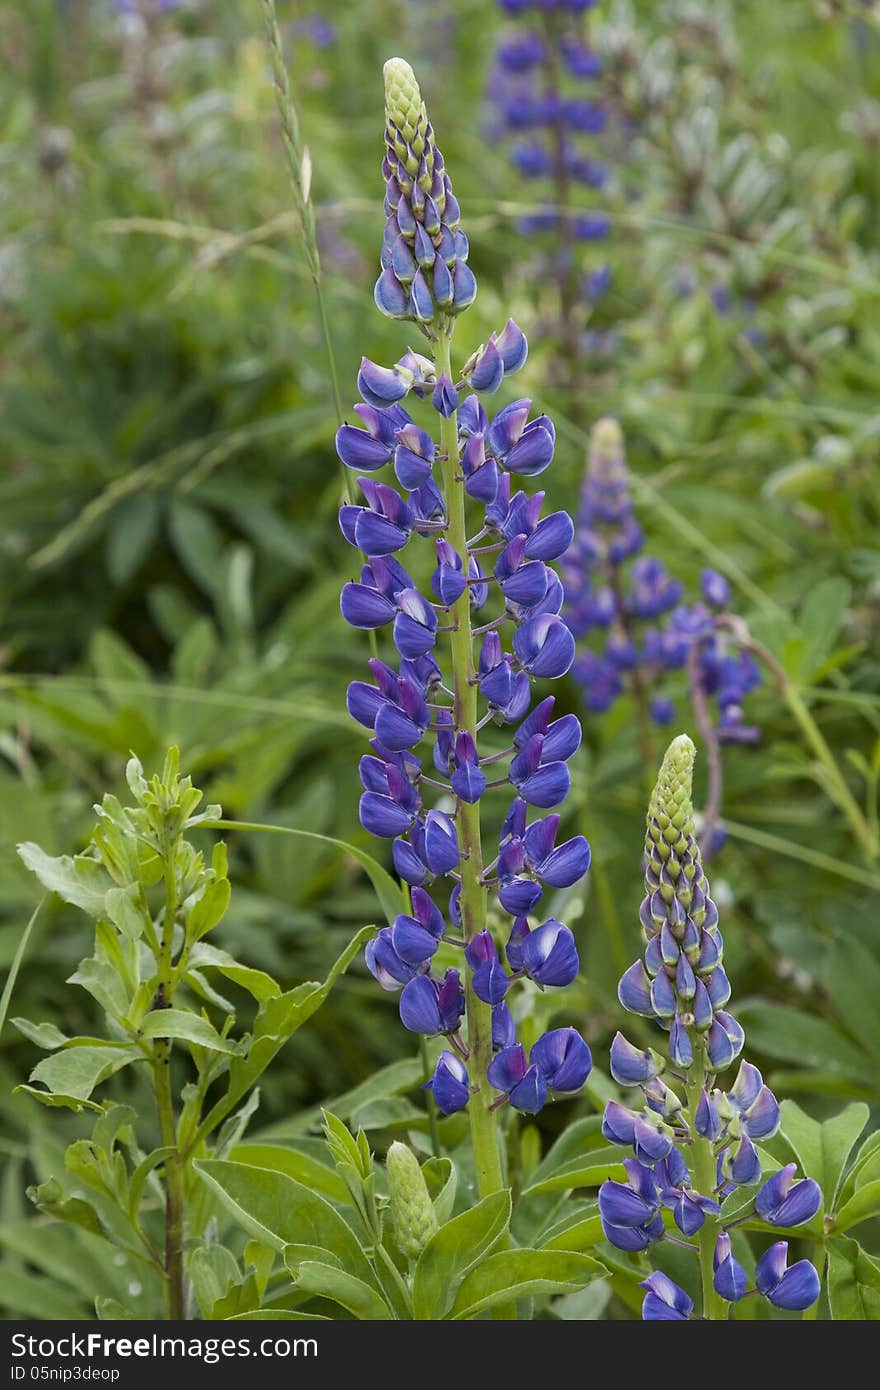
(174,1190)
(484,1137)
(705,1165)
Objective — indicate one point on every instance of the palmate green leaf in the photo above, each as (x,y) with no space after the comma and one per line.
(587,1170)
(277,1210)
(824,1149)
(441,1176)
(853,1282)
(391,894)
(862,1206)
(453,1250)
(820,621)
(864,1168)
(574,1141)
(70,1076)
(306,1169)
(80,881)
(513,1274)
(851,974)
(187,1027)
(326,1281)
(580,1231)
(276,1021)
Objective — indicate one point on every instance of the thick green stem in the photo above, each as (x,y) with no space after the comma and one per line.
(174,1187)
(484,1136)
(704,1164)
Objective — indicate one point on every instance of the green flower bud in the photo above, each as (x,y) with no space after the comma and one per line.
(412,1211)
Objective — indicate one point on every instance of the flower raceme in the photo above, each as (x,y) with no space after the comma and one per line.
(629,608)
(692,1150)
(450,716)
(632,601)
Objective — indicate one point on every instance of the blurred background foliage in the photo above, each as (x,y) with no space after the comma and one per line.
(169,556)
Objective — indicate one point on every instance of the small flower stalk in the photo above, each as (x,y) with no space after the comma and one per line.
(694,1142)
(450,713)
(630,608)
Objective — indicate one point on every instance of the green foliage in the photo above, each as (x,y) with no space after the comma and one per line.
(169,575)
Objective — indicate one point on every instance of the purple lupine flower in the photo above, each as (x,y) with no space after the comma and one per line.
(783,1202)
(794,1288)
(425,276)
(729,1279)
(664,1300)
(630,609)
(403,472)
(563,1059)
(432,1006)
(541,101)
(523,1083)
(630,1211)
(681,983)
(449,1084)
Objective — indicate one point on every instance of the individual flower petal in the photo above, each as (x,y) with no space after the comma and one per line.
(549,954)
(441,843)
(794,1289)
(729,1280)
(664,1300)
(545,646)
(449,1084)
(383,817)
(364,607)
(782,1202)
(383,962)
(630,1066)
(634,990)
(563,1059)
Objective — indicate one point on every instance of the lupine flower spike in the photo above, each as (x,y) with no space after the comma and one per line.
(545,104)
(450,713)
(630,608)
(694,1142)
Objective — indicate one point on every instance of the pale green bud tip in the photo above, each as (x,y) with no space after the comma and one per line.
(404,107)
(671,806)
(412,1211)
(607,436)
